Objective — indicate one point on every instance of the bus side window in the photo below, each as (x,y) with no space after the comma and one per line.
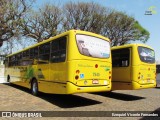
(26,62)
(34,53)
(58,50)
(9,61)
(44,53)
(12,60)
(62,48)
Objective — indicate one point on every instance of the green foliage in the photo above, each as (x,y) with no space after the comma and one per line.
(122,28)
(141,34)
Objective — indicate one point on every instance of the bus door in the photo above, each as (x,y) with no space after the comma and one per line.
(121,61)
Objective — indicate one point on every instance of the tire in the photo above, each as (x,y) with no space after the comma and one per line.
(34,88)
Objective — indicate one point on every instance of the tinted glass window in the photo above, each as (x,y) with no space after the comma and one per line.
(62,44)
(44,48)
(146,55)
(121,57)
(55,45)
(25,54)
(34,53)
(58,49)
(44,53)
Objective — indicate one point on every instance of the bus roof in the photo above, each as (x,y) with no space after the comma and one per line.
(58,36)
(130,45)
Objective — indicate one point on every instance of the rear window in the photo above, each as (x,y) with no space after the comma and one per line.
(146,55)
(93,46)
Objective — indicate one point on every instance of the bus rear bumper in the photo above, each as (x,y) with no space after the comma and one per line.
(137,85)
(71,88)
(131,85)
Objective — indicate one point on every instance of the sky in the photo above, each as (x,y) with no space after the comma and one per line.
(135,8)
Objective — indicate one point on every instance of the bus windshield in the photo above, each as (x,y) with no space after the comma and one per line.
(93,46)
(146,55)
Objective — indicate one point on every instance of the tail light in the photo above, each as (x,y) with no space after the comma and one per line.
(76,77)
(77,71)
(96,65)
(139,74)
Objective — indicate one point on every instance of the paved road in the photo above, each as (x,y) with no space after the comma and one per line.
(14,98)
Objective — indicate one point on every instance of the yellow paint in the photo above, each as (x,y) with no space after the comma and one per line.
(59,78)
(137,75)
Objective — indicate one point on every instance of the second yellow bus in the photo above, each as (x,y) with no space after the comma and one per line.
(133,67)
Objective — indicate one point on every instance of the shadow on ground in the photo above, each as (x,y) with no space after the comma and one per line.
(63,101)
(120,96)
(157,87)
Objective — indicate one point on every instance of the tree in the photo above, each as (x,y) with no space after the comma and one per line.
(122,29)
(119,27)
(83,16)
(17,20)
(11,13)
(42,24)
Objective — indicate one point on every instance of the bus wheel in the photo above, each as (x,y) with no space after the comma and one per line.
(34,87)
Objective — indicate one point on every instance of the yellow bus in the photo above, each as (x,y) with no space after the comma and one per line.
(73,62)
(133,67)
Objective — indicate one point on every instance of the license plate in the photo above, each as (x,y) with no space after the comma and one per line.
(148,81)
(95,82)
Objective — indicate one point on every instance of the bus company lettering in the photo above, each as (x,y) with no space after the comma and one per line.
(96,74)
(82,65)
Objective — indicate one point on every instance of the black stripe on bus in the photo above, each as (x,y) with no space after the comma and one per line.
(52,81)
